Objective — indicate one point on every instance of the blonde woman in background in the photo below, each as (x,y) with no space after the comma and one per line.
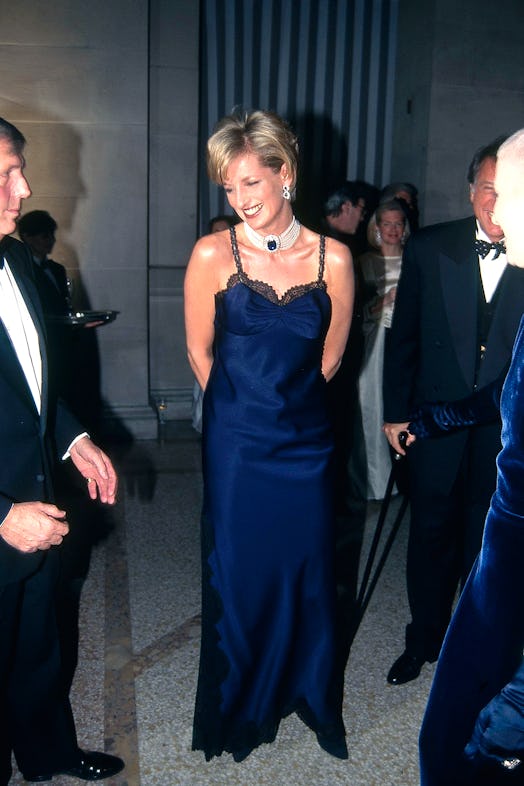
(387,232)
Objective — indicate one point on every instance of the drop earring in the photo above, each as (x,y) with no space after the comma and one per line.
(286,193)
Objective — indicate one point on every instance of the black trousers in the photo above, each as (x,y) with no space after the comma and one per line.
(444,540)
(36,721)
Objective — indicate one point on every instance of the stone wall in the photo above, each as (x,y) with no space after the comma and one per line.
(459,84)
(106,95)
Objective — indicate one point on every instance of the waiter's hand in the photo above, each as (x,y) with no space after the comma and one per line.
(34,526)
(96,468)
(392,431)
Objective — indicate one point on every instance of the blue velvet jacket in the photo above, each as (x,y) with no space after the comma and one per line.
(483,647)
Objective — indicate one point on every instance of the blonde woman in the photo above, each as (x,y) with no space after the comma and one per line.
(387,232)
(268,308)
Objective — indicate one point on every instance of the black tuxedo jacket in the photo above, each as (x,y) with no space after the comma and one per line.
(29,442)
(431,348)
(52,288)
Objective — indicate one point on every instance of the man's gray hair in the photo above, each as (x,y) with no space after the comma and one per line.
(11,133)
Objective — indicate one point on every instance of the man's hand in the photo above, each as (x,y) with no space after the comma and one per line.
(34,526)
(392,431)
(96,468)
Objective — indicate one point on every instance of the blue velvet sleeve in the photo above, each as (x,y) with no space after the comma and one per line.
(499,730)
(433,420)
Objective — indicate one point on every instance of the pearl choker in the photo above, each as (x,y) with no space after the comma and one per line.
(273,243)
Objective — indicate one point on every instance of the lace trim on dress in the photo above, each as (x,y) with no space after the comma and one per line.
(265,289)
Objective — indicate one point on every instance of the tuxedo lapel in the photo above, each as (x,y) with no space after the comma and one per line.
(30,295)
(18,266)
(459,277)
(12,371)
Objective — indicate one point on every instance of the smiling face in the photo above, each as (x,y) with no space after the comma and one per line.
(509,207)
(482,196)
(255,194)
(391,225)
(13,187)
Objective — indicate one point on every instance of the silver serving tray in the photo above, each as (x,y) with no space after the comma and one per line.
(85,317)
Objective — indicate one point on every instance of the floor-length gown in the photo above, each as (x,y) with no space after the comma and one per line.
(268,605)
(382,274)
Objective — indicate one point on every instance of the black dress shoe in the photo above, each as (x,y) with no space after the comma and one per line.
(405,669)
(93,766)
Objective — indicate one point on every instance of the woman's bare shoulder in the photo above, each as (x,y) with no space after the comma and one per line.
(213,247)
(213,252)
(212,262)
(337,253)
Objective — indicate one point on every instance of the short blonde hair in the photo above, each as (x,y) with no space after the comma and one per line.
(262,133)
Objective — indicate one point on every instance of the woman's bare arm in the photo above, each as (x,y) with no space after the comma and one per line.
(201,283)
(340,282)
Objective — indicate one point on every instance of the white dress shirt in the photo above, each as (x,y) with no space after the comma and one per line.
(22,332)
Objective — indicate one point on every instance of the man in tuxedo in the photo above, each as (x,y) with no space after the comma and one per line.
(37,230)
(473,728)
(36,722)
(457,312)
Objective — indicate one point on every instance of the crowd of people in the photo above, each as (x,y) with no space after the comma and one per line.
(313,352)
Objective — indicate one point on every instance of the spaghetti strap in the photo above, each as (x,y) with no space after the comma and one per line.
(322,259)
(266,290)
(236,255)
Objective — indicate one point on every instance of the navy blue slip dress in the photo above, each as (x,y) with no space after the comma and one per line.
(268,605)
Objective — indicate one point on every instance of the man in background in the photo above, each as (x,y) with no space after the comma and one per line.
(37,230)
(344,211)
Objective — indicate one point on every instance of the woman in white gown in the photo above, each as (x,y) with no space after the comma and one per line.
(387,232)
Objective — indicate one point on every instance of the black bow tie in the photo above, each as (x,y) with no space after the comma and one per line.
(482,247)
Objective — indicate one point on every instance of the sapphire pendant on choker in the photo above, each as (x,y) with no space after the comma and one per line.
(274,243)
